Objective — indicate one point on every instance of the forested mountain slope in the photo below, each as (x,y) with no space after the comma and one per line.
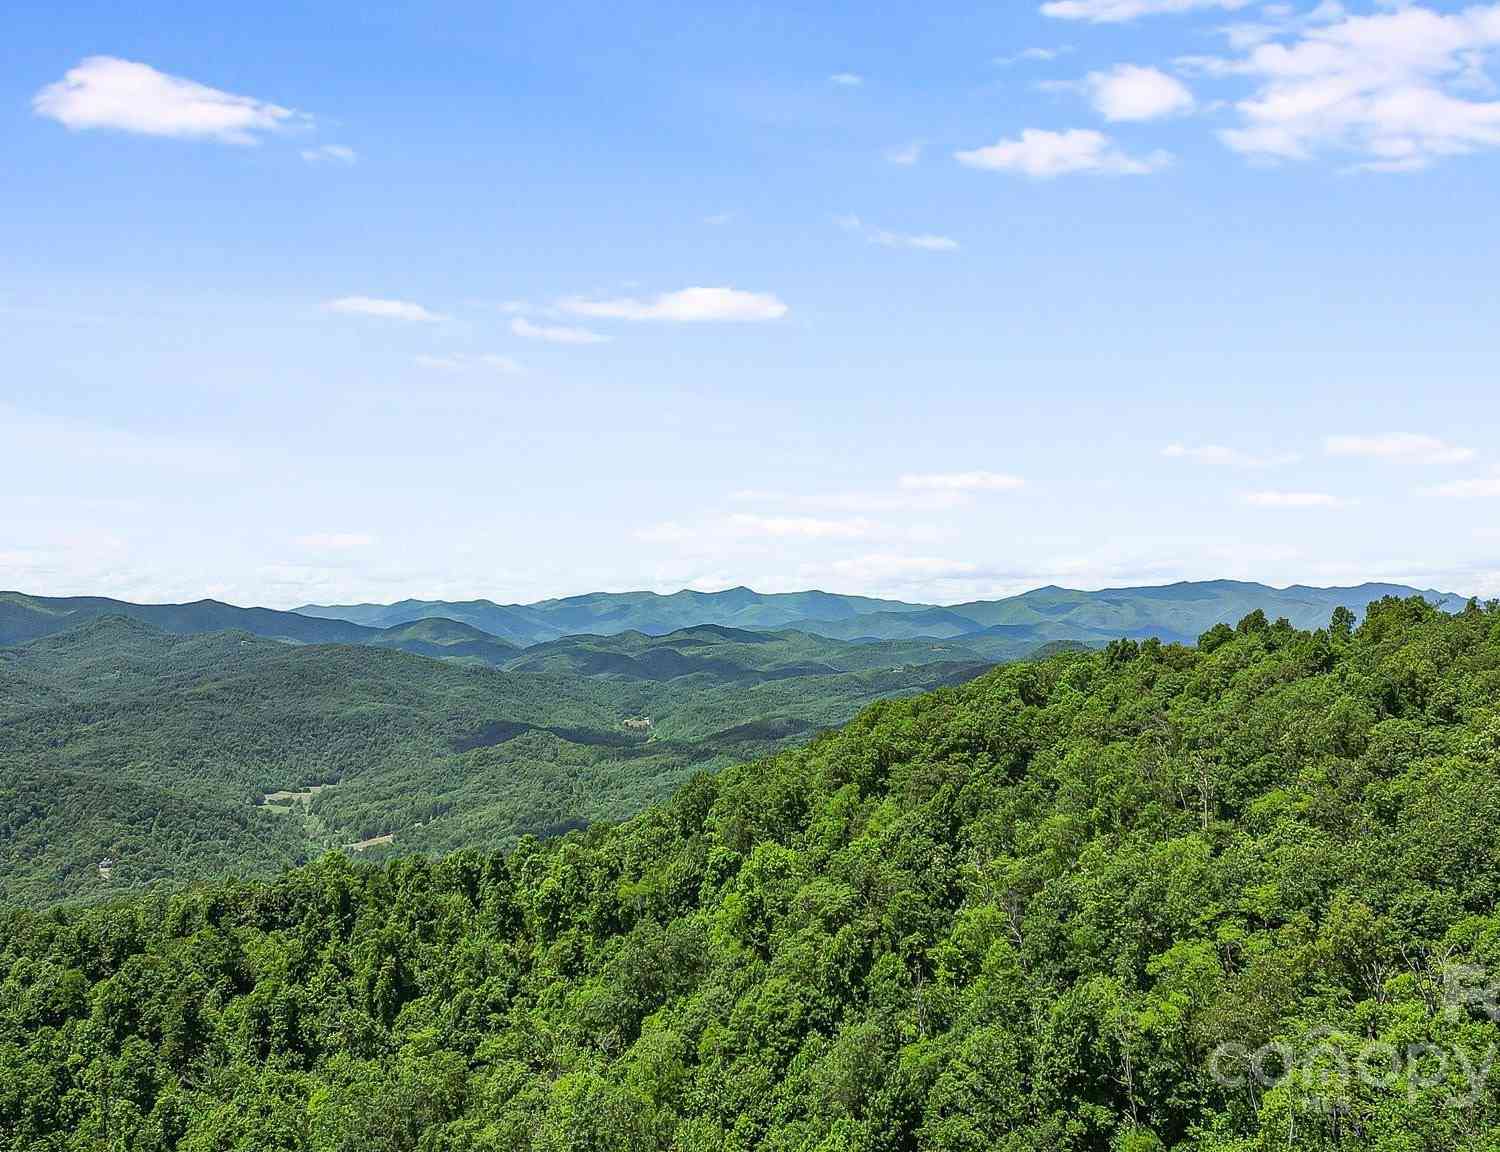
(153,750)
(1172,612)
(1097,903)
(994,630)
(607,613)
(447,640)
(729,654)
(1001,629)
(24,618)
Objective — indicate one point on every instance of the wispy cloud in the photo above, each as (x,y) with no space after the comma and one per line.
(744,526)
(690,305)
(402,310)
(1032,55)
(1474,488)
(466,362)
(1045,155)
(847,79)
(330,154)
(1122,11)
(1232,457)
(804,527)
(1282,499)
(962,482)
(907,499)
(1405,446)
(918,241)
(1131,93)
(1394,89)
(127,96)
(555,333)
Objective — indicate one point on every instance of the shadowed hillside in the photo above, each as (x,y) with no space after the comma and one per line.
(124,742)
(1154,897)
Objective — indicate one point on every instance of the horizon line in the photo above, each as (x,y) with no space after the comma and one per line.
(746,588)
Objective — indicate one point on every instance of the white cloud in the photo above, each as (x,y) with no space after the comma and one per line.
(1281,499)
(464,362)
(1279,19)
(689,305)
(1131,93)
(1032,55)
(1389,88)
(1405,446)
(555,333)
(931,500)
(905,155)
(330,154)
(744,526)
(1120,11)
(920,241)
(718,219)
(962,482)
(1475,488)
(402,310)
(847,79)
(107,92)
(802,527)
(905,500)
(1219,454)
(1044,155)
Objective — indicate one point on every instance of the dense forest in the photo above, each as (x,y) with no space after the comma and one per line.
(1231,897)
(120,741)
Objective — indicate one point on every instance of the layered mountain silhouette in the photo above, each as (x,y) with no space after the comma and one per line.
(997,628)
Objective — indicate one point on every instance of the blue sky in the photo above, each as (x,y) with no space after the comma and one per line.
(349,302)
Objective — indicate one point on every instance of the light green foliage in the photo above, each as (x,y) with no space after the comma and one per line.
(1026,913)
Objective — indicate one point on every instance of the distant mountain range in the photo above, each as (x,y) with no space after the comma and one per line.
(26,618)
(148,734)
(480,631)
(609,613)
(996,629)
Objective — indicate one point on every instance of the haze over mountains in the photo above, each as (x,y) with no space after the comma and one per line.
(149,733)
(482,631)
(606,613)
(1177,612)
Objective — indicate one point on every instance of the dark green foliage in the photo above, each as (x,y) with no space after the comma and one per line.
(730,655)
(119,741)
(1033,912)
(607,613)
(447,640)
